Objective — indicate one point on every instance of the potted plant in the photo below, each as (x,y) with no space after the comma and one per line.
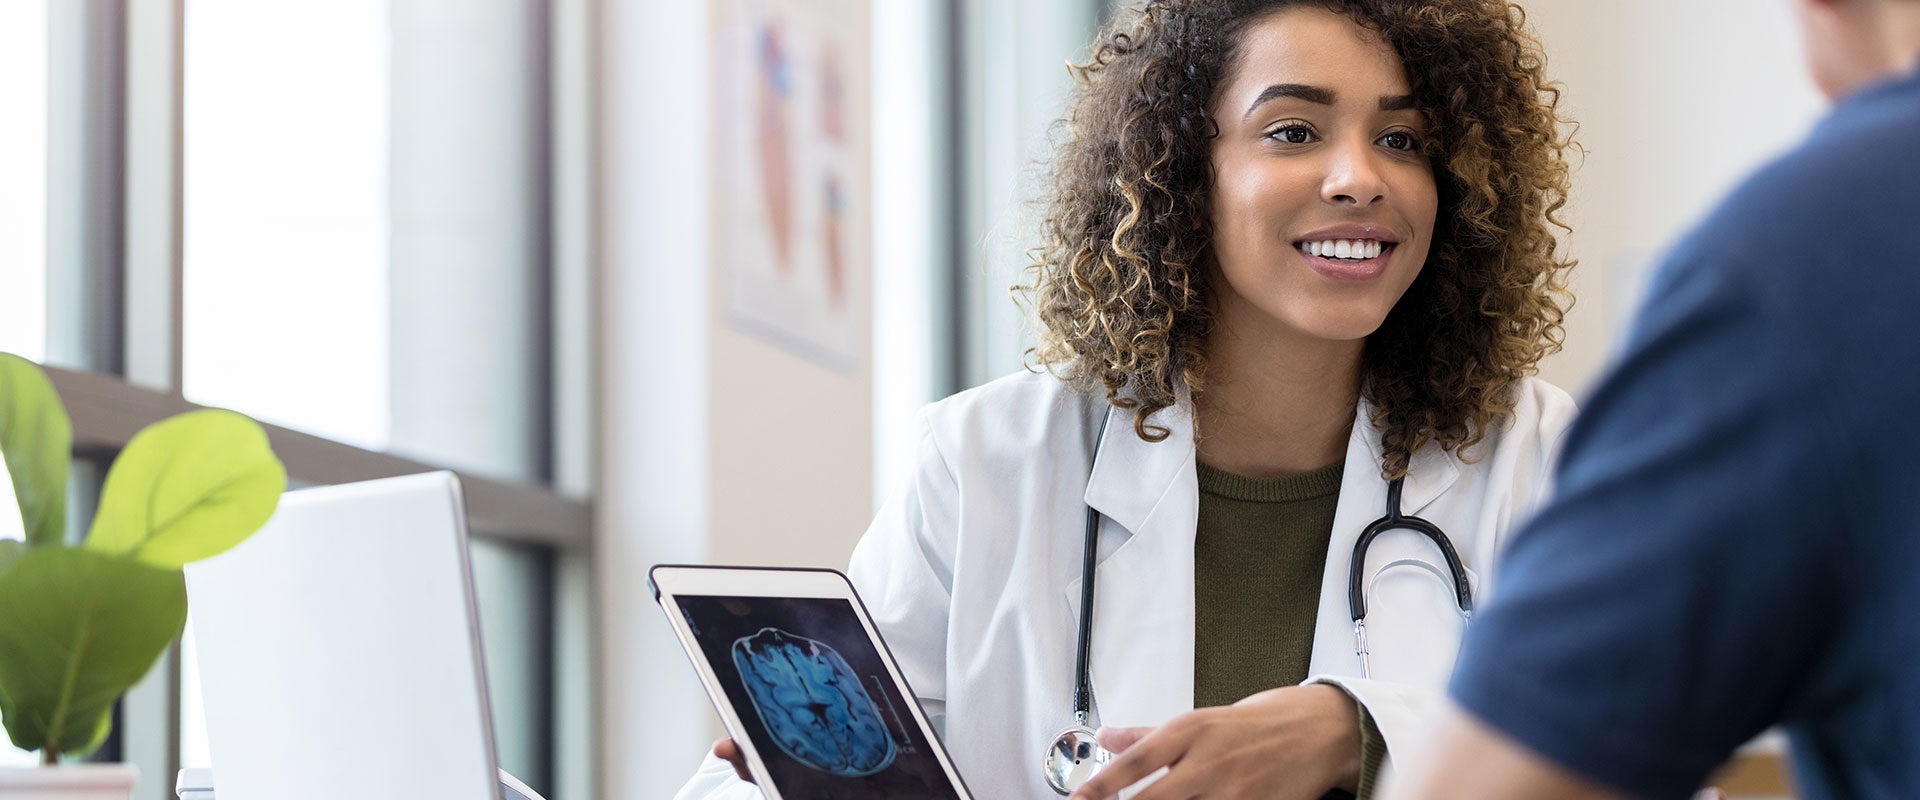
(79,625)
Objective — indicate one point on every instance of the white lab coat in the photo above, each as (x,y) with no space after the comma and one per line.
(973,572)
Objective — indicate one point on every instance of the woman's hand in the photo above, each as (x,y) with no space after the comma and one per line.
(729,752)
(1295,742)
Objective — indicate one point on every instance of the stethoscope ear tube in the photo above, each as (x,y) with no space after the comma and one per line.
(1394,520)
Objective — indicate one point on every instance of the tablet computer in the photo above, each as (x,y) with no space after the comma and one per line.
(804,684)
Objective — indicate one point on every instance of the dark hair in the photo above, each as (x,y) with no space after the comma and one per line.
(1120,284)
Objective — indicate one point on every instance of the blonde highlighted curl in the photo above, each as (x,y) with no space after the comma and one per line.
(1120,283)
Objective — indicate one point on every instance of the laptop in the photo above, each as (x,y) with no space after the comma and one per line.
(339,651)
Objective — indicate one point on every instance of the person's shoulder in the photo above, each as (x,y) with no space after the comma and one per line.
(1853,177)
(1541,411)
(1024,394)
(1533,430)
(1011,414)
(1542,404)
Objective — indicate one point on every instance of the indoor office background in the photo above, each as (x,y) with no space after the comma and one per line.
(485,235)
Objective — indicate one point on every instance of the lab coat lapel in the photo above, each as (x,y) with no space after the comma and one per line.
(1147,494)
(1363,499)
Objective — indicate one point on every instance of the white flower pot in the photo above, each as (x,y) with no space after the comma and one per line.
(69,782)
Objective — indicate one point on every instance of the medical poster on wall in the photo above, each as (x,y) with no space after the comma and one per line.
(791,163)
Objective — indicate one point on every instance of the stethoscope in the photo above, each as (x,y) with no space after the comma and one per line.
(1075,755)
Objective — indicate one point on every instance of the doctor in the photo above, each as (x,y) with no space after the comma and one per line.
(1279,274)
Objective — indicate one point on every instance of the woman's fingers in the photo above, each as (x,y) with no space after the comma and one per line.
(1117,740)
(1160,747)
(727,750)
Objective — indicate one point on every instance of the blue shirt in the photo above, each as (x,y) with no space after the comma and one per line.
(1735,539)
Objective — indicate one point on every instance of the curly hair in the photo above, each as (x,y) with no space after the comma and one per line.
(1120,281)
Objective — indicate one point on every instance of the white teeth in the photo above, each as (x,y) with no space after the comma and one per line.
(1352,249)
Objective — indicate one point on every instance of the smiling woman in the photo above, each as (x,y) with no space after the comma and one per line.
(1292,248)
(1452,104)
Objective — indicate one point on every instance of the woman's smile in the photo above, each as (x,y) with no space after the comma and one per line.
(1348,253)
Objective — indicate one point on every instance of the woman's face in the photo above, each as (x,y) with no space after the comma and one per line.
(1323,204)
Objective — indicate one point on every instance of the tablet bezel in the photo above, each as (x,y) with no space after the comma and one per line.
(670,580)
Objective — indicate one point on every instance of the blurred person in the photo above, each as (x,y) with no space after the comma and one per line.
(1298,270)
(1733,544)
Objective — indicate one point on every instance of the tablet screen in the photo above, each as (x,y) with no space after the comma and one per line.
(815,697)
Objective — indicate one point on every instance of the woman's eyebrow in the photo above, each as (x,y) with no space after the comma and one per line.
(1311,94)
(1323,96)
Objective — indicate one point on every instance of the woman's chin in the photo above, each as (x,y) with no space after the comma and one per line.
(1336,323)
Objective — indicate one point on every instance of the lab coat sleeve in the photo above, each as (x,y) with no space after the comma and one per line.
(715,781)
(903,571)
(1403,713)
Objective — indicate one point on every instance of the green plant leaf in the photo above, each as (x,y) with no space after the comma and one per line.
(80,628)
(187,488)
(9,551)
(37,441)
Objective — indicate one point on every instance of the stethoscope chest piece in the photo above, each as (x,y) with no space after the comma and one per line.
(1073,758)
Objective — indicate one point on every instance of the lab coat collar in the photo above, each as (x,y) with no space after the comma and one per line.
(1132,475)
(1148,496)
(1430,473)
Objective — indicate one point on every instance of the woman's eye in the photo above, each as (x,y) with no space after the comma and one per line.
(1400,140)
(1293,134)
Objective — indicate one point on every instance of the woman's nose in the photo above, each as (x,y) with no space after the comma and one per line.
(1352,178)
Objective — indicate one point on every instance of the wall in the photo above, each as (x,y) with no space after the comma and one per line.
(716,446)
(1675,101)
(653,490)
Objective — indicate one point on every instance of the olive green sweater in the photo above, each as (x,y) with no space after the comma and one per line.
(1258,558)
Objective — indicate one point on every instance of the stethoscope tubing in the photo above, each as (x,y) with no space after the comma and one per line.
(1394,520)
(1356,586)
(1357,570)
(1082,680)
(1069,743)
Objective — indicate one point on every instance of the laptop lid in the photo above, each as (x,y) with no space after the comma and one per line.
(339,649)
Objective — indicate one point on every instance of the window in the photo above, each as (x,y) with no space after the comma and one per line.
(286,213)
(365,234)
(23,219)
(23,178)
(517,638)
(336,216)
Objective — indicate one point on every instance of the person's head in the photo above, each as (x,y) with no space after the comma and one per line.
(1215,143)
(1851,43)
